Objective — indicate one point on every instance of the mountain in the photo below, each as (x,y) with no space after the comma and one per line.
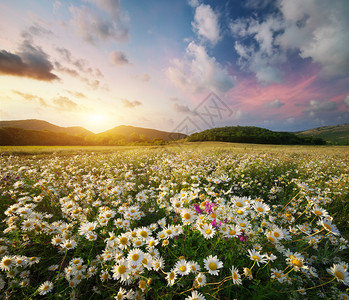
(132,132)
(251,134)
(38,132)
(338,134)
(39,125)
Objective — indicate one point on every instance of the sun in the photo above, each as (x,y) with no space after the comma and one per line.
(97,118)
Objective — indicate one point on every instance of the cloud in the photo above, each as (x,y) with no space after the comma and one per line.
(346,100)
(32,98)
(199,72)
(76,94)
(193,3)
(64,103)
(205,24)
(35,30)
(119,58)
(316,105)
(262,55)
(81,64)
(183,109)
(94,26)
(319,29)
(30,61)
(130,104)
(316,30)
(274,104)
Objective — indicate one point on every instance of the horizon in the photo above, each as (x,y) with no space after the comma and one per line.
(165,130)
(98,64)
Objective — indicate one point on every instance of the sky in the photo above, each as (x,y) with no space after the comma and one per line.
(184,65)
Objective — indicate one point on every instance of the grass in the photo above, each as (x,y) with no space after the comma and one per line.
(113,201)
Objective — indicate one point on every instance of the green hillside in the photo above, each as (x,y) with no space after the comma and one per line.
(250,134)
(337,135)
(39,125)
(37,132)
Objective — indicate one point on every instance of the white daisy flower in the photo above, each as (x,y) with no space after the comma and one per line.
(340,273)
(195,296)
(182,267)
(235,275)
(45,288)
(213,264)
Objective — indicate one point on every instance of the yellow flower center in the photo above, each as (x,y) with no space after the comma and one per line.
(260,209)
(142,284)
(151,244)
(328,227)
(183,268)
(271,239)
(235,276)
(212,266)
(339,275)
(79,267)
(208,231)
(7,262)
(121,269)
(76,261)
(297,263)
(255,257)
(168,231)
(135,257)
(276,234)
(277,275)
(123,240)
(144,234)
(232,232)
(171,276)
(187,216)
(239,204)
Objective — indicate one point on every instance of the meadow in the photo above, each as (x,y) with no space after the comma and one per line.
(182,221)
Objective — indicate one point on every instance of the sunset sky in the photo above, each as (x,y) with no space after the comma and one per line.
(281,65)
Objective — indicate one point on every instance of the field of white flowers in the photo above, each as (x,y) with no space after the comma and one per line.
(205,223)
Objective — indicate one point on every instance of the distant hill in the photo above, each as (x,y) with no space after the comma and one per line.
(255,135)
(337,135)
(142,133)
(39,125)
(37,132)
(11,136)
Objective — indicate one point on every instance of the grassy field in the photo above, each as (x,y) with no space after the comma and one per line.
(181,221)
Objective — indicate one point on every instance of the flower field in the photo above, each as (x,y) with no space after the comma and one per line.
(163,223)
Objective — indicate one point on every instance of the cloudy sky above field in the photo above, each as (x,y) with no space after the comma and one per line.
(281,65)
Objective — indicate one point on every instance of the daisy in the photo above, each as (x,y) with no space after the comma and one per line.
(257,257)
(296,261)
(144,233)
(182,267)
(200,280)
(194,266)
(208,231)
(45,288)
(121,270)
(329,226)
(135,257)
(212,265)
(319,211)
(121,294)
(6,263)
(195,296)
(340,273)
(261,207)
(188,216)
(158,263)
(278,274)
(235,275)
(123,241)
(171,277)
(68,244)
